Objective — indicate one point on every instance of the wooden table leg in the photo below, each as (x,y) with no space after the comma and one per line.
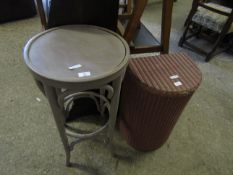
(113,109)
(166,25)
(59,119)
(135,20)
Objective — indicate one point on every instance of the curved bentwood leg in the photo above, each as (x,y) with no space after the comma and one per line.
(59,119)
(108,98)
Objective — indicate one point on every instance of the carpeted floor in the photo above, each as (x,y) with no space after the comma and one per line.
(201,143)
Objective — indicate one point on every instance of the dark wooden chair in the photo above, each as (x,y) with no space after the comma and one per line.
(211,21)
(103,13)
(140,39)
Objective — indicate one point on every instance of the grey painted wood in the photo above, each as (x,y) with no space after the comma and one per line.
(101,52)
(98,50)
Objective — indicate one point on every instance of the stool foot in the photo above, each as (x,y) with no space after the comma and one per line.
(68,163)
(181,42)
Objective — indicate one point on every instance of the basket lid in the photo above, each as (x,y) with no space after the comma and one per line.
(167,74)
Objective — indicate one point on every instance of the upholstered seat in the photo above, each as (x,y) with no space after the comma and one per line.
(210,19)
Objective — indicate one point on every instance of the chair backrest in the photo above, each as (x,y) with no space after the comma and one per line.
(103,13)
(13,10)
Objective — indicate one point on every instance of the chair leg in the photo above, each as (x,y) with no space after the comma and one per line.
(211,53)
(188,18)
(221,36)
(191,13)
(216,44)
(183,38)
(199,32)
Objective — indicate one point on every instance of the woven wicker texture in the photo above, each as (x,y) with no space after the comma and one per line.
(150,102)
(156,73)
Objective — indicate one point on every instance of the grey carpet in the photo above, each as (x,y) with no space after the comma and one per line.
(201,143)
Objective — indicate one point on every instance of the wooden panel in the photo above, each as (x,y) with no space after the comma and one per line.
(131,34)
(135,20)
(143,37)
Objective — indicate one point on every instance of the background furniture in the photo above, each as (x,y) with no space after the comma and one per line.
(103,13)
(16,9)
(129,25)
(101,58)
(140,39)
(227,3)
(207,15)
(125,8)
(163,84)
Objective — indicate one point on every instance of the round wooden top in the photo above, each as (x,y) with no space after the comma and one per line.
(94,53)
(173,74)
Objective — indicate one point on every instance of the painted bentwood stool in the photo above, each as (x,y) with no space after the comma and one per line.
(67,63)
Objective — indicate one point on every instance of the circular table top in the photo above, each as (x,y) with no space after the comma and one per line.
(94,53)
